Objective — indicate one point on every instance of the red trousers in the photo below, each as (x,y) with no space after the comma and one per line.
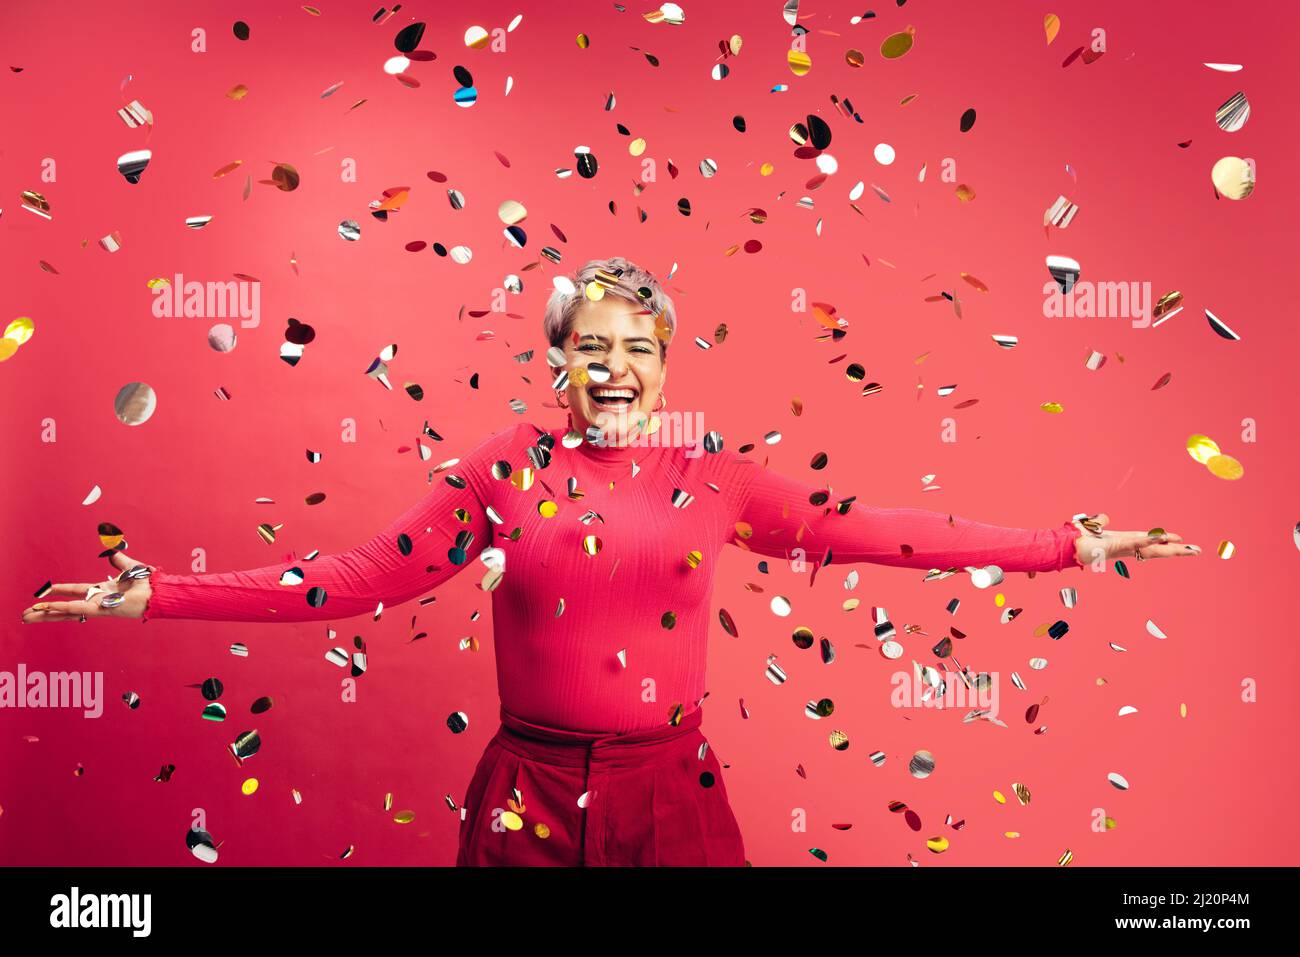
(651,799)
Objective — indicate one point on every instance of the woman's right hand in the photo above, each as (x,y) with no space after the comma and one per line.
(84,599)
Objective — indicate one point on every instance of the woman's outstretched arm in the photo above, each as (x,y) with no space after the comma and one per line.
(775,516)
(385,569)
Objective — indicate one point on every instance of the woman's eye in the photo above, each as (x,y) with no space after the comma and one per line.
(589,347)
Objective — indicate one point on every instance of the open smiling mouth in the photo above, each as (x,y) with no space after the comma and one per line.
(612,400)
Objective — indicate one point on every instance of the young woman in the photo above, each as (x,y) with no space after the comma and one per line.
(598,545)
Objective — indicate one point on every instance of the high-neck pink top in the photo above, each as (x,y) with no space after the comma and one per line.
(620,535)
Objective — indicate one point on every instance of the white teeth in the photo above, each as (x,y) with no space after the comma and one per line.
(613,393)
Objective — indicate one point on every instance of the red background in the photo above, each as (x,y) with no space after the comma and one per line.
(1208,789)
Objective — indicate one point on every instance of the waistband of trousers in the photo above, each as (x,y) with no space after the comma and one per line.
(584,748)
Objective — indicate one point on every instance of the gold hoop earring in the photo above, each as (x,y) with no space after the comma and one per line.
(663,397)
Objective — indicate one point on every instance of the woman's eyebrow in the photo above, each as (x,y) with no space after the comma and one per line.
(605,341)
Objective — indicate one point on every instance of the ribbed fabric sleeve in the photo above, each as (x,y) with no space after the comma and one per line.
(357,580)
(782,518)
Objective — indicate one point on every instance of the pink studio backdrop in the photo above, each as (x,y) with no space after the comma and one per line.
(1210,788)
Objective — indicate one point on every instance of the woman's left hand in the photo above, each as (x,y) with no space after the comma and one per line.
(1139,545)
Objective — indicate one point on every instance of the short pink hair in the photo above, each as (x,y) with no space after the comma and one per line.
(562,308)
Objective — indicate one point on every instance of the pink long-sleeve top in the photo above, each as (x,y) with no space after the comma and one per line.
(564,671)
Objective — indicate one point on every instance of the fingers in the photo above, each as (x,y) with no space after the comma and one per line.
(72,588)
(74,608)
(122,561)
(39,616)
(1170,551)
(60,611)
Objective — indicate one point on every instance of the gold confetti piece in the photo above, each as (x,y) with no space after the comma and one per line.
(20,330)
(1022,793)
(404,817)
(1202,448)
(894,46)
(284,177)
(1182,710)
(388,802)
(800,63)
(1055,407)
(1065,859)
(1233,177)
(237,92)
(965,193)
(1167,306)
(1051,26)
(1013,834)
(766,169)
(1226,548)
(637,146)
(999,797)
(312,10)
(582,40)
(591,544)
(542,831)
(1225,467)
(512,212)
(937,844)
(36,203)
(694,558)
(228,168)
(249,786)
